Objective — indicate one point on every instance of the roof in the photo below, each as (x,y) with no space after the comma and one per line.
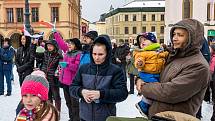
(145,3)
(140,6)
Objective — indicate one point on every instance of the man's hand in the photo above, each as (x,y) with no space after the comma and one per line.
(139,85)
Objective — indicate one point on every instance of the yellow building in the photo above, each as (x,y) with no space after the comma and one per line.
(101,27)
(123,24)
(66,12)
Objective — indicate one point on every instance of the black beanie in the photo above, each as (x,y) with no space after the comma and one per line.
(92,34)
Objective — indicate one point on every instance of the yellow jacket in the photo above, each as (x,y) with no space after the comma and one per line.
(153,62)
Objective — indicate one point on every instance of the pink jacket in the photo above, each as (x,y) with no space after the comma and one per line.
(212,63)
(61,43)
(72,58)
(67,74)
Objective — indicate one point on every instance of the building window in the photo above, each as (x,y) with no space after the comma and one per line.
(152,28)
(126,30)
(134,18)
(187,9)
(10,18)
(208,11)
(35,14)
(126,17)
(126,40)
(144,17)
(214,11)
(143,29)
(162,30)
(19,14)
(54,14)
(153,17)
(134,30)
(162,17)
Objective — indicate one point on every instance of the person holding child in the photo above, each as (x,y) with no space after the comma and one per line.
(185,76)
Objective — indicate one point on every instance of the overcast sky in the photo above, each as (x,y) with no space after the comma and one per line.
(92,9)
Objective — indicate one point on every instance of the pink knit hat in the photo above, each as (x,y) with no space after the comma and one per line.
(36,84)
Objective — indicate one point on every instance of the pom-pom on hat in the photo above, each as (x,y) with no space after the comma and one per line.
(36,84)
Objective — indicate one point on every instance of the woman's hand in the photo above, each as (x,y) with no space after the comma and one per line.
(94,94)
(90,95)
(139,85)
(86,94)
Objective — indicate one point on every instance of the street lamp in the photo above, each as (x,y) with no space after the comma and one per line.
(27,15)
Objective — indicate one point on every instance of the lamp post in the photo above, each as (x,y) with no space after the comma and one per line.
(27,15)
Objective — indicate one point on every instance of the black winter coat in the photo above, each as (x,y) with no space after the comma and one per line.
(24,60)
(51,61)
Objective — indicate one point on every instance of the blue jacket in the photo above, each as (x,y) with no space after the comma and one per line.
(6,58)
(85,58)
(205,50)
(107,78)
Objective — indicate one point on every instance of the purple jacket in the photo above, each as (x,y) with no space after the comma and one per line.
(67,74)
(72,58)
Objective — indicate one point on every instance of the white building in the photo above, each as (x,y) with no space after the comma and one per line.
(176,10)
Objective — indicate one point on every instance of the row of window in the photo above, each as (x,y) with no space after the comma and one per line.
(134,29)
(153,18)
(133,17)
(34,14)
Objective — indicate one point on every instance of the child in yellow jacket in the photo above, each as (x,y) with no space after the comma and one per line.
(149,59)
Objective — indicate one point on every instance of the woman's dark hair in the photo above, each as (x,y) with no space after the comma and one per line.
(28,40)
(77,43)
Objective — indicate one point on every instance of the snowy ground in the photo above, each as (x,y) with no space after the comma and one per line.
(124,109)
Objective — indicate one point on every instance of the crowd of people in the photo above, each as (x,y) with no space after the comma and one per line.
(172,79)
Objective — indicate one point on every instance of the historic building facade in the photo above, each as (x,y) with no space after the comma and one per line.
(123,24)
(202,10)
(66,13)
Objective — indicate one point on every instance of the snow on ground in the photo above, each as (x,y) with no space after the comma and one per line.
(124,109)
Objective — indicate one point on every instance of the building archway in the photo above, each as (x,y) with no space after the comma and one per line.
(187,9)
(15,38)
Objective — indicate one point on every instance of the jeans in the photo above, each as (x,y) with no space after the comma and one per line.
(7,74)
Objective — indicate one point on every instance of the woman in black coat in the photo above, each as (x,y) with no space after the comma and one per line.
(24,58)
